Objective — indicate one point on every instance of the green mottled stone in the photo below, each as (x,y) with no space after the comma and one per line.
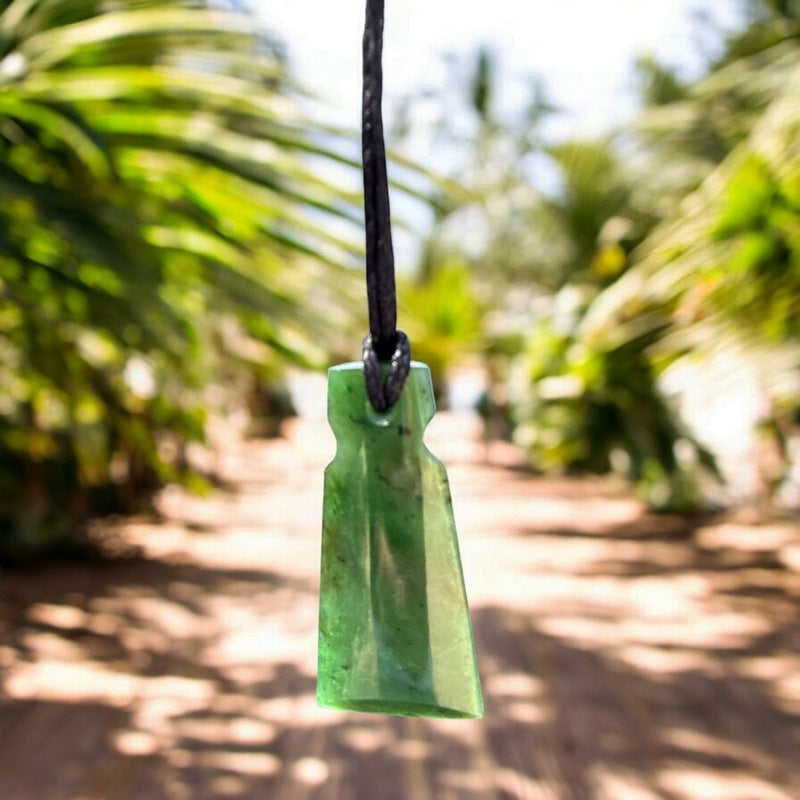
(394,629)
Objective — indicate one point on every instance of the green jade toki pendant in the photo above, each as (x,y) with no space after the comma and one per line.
(394,628)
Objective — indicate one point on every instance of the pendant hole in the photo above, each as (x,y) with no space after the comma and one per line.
(376,418)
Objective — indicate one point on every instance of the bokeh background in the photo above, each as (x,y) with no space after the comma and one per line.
(597,224)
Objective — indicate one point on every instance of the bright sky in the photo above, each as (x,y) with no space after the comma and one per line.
(583,49)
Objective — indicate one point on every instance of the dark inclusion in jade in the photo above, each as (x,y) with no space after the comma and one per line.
(394,628)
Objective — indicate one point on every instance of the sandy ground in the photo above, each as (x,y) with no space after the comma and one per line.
(623,655)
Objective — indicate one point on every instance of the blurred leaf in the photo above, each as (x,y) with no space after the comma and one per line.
(158,189)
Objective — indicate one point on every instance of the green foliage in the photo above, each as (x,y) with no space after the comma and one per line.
(482,87)
(769,22)
(589,401)
(721,272)
(160,226)
(444,318)
(731,254)
(595,190)
(659,84)
(679,237)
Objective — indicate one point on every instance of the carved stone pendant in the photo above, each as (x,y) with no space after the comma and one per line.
(394,628)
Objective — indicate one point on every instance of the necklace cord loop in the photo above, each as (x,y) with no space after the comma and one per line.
(385,342)
(384,392)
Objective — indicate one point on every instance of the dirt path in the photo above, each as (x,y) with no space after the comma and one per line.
(623,656)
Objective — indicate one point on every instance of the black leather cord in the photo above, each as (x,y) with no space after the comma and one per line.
(384,392)
(385,342)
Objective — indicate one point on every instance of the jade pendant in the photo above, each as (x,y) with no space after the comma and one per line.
(394,628)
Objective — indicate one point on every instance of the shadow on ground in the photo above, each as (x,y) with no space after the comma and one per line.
(623,656)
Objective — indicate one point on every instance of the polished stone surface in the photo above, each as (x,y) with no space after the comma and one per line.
(394,629)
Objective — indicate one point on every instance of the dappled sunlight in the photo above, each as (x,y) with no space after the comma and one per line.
(657,660)
(619,783)
(78,683)
(513,684)
(622,654)
(365,739)
(136,743)
(745,538)
(260,764)
(612,326)
(787,690)
(310,771)
(519,785)
(57,616)
(708,784)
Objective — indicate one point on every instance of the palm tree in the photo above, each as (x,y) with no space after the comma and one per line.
(719,278)
(715,164)
(160,220)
